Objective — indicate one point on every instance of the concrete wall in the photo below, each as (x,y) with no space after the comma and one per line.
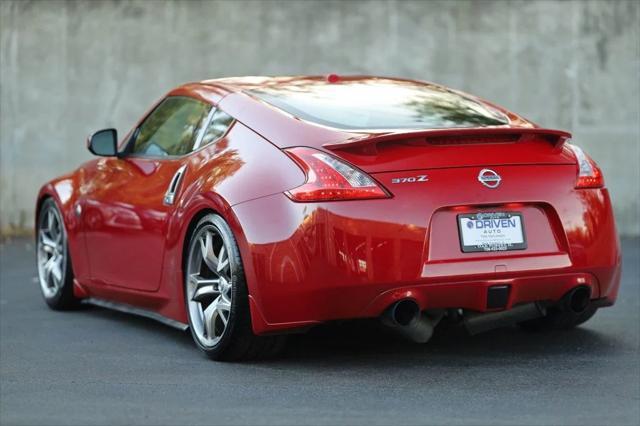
(70,68)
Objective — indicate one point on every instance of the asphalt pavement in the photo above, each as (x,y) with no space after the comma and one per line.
(95,366)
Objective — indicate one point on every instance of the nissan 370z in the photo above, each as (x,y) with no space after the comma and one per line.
(245,209)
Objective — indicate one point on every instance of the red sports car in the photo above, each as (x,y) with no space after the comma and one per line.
(249,208)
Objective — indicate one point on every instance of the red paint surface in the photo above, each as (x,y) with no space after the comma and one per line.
(312,262)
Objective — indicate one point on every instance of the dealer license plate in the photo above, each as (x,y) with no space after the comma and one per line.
(494,231)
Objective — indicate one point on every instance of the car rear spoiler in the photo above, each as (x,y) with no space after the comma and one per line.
(369,141)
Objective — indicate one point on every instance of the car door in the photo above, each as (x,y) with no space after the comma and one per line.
(127,202)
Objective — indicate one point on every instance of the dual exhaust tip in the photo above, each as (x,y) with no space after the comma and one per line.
(577,300)
(404,312)
(407,319)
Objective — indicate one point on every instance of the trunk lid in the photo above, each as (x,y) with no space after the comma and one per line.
(535,193)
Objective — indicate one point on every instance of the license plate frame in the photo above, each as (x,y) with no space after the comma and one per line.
(492,244)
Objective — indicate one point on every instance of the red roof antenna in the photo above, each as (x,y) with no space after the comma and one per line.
(333,78)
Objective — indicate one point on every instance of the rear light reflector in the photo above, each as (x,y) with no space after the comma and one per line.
(331,179)
(589,174)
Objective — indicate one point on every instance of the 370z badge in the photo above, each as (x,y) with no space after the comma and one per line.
(411,179)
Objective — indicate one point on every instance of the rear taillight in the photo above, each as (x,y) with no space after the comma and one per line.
(589,174)
(331,179)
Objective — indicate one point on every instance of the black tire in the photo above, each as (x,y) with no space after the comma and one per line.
(61,298)
(558,319)
(237,341)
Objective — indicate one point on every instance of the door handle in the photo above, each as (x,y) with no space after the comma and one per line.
(174,185)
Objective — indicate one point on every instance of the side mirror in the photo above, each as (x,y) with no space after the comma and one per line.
(104,143)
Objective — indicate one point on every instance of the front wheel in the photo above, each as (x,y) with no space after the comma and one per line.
(52,255)
(217,298)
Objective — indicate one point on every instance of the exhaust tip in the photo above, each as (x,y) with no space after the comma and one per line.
(405,317)
(578,299)
(404,312)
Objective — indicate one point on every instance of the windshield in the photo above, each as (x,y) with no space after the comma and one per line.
(379,104)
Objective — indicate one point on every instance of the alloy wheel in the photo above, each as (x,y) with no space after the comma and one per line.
(209,286)
(51,249)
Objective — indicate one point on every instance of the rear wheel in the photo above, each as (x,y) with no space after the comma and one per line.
(217,298)
(52,255)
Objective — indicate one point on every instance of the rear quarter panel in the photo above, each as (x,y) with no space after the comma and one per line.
(241,167)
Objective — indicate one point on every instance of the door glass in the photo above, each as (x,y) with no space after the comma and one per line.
(171,128)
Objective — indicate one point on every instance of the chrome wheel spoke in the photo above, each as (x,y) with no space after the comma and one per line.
(58,236)
(52,271)
(204,288)
(200,312)
(56,270)
(223,305)
(223,260)
(209,321)
(224,317)
(50,219)
(206,248)
(48,245)
(225,288)
(217,311)
(48,268)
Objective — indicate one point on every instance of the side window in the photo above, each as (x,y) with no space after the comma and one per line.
(218,126)
(171,128)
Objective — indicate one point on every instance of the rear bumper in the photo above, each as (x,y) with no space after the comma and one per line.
(332,303)
(472,295)
(310,263)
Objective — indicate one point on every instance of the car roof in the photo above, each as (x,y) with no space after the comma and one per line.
(236,96)
(246,83)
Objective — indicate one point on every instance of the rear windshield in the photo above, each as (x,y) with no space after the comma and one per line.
(379,104)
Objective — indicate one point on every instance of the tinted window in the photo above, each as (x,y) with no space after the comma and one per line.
(379,104)
(217,127)
(171,128)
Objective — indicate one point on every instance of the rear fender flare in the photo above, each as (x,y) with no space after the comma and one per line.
(184,221)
